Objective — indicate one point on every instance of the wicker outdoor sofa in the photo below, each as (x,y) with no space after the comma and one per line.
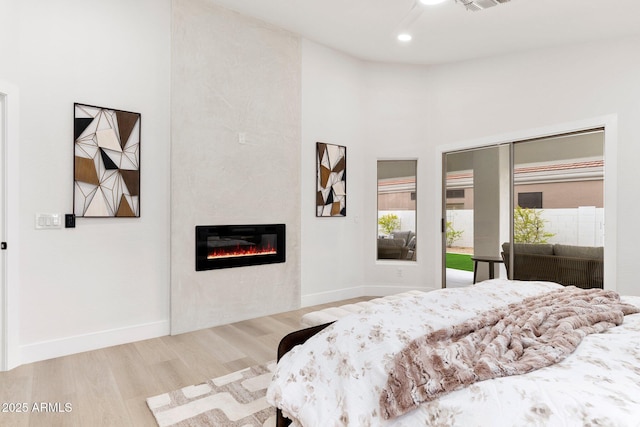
(581,266)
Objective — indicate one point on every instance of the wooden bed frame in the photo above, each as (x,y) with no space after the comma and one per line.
(287,343)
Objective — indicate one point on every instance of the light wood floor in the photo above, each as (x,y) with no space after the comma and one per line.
(108,387)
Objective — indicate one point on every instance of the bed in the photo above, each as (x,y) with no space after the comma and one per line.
(335,374)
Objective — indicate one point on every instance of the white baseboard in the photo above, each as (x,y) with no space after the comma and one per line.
(331,296)
(385,290)
(80,343)
(358,291)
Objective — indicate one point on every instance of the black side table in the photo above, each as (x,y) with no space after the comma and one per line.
(490,259)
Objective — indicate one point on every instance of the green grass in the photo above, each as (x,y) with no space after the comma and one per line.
(459,262)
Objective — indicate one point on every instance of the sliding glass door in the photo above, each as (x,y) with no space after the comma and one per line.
(528,210)
(559,209)
(477,193)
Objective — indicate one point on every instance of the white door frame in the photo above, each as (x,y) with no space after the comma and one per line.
(610,125)
(9,280)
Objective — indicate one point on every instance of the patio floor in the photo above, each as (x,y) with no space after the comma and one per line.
(459,278)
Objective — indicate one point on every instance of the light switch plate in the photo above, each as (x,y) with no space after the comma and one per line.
(48,221)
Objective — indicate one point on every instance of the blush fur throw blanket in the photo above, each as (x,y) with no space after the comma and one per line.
(536,332)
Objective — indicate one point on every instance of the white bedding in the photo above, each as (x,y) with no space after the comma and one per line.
(336,378)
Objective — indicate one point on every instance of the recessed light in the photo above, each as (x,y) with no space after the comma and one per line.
(432,2)
(404,37)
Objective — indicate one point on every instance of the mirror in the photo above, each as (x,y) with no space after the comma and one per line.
(397,238)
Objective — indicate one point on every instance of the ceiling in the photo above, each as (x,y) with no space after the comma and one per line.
(367,29)
(572,148)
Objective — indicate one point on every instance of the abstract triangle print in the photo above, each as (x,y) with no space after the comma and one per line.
(108,163)
(331,180)
(79,125)
(106,151)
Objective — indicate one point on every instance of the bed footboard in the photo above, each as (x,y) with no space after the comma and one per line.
(287,343)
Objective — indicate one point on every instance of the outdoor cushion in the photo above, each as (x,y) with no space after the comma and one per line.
(530,248)
(391,243)
(581,266)
(588,252)
(404,235)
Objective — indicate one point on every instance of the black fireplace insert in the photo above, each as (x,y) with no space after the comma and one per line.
(226,246)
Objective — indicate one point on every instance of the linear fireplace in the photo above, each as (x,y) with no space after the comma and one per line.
(225,246)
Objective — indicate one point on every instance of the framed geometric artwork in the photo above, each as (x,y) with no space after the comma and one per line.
(331,174)
(106,169)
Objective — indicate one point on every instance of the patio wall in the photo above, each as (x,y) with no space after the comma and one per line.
(582,226)
(407,219)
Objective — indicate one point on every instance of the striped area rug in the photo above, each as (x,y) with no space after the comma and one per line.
(234,400)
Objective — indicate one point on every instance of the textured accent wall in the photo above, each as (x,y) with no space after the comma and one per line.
(236,124)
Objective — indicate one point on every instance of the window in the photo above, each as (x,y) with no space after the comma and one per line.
(530,200)
(455,194)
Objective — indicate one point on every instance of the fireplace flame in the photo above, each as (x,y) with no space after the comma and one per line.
(241,251)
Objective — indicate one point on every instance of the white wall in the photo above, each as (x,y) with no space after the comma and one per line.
(332,112)
(397,117)
(230,75)
(462,220)
(410,111)
(417,109)
(106,281)
(582,226)
(407,220)
(8,30)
